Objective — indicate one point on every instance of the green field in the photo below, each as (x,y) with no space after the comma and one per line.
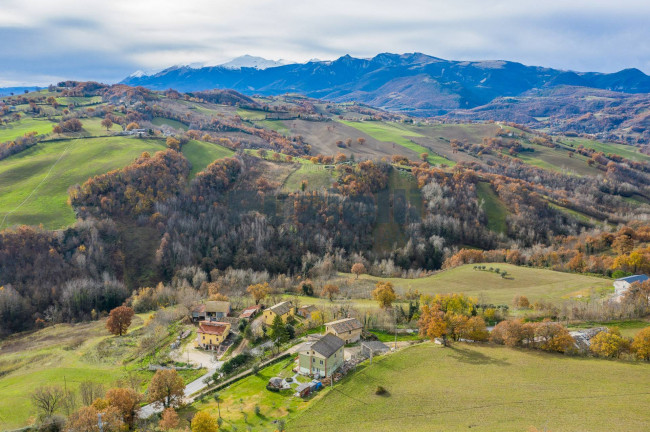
(238,401)
(485,388)
(247,114)
(34,183)
(628,152)
(494,208)
(93,126)
(201,154)
(317,178)
(390,133)
(159,121)
(25,125)
(532,282)
(64,354)
(627,328)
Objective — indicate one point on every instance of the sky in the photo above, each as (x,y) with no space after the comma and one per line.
(46,41)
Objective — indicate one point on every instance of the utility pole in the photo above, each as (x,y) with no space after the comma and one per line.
(395,327)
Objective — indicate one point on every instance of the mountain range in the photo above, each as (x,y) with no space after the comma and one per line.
(415,83)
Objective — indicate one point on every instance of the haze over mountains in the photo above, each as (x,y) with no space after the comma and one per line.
(416,83)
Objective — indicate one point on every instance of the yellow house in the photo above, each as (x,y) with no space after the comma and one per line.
(284,310)
(211,334)
(348,329)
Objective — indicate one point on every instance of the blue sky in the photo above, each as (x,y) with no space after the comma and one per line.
(46,41)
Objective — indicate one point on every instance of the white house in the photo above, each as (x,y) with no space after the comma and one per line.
(622,285)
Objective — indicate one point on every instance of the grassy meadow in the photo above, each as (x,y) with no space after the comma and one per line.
(13,130)
(484,388)
(536,284)
(495,209)
(34,183)
(201,154)
(66,354)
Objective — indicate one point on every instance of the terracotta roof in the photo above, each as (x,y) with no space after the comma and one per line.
(327,345)
(213,328)
(250,311)
(345,325)
(281,308)
(199,309)
(217,306)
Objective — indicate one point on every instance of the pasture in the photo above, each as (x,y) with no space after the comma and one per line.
(201,154)
(485,388)
(66,354)
(34,183)
(13,130)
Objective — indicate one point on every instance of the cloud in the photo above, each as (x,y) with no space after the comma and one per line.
(67,39)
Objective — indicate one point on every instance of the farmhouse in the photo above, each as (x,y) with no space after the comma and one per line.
(306,311)
(348,329)
(321,358)
(284,310)
(250,312)
(215,310)
(211,334)
(622,285)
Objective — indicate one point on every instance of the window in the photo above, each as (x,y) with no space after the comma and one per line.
(321,362)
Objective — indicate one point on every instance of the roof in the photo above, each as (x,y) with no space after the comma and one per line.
(309,308)
(303,387)
(632,279)
(217,306)
(250,311)
(213,328)
(199,309)
(375,346)
(344,325)
(281,308)
(327,345)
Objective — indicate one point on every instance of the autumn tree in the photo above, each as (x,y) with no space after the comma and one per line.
(358,268)
(329,291)
(432,323)
(641,344)
(107,123)
(57,129)
(608,343)
(47,400)
(127,401)
(166,388)
(424,156)
(340,158)
(521,302)
(173,143)
(384,293)
(119,320)
(85,420)
(473,329)
(169,419)
(259,291)
(203,421)
(132,125)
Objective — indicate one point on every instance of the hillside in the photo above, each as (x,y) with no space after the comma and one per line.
(484,388)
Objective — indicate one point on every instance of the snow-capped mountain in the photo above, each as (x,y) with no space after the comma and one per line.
(249,61)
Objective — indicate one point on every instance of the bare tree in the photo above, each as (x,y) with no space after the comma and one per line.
(47,400)
(90,390)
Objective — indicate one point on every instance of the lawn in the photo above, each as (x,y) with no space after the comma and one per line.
(34,183)
(628,328)
(390,133)
(65,354)
(201,154)
(25,125)
(532,282)
(384,336)
(485,388)
(238,401)
(494,208)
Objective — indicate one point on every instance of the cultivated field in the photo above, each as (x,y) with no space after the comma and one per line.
(484,388)
(34,183)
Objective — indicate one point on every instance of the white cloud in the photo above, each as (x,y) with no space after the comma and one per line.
(106,40)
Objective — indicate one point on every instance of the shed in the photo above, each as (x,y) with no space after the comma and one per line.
(373,348)
(304,390)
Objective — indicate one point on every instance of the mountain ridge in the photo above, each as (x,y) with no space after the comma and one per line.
(411,82)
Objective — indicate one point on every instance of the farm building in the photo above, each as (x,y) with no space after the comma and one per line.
(348,329)
(211,334)
(215,310)
(321,358)
(306,311)
(373,348)
(250,312)
(284,310)
(622,285)
(198,313)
